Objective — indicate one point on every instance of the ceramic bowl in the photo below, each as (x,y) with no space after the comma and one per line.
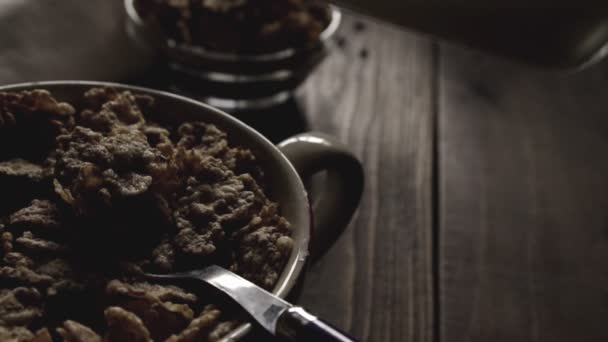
(283,165)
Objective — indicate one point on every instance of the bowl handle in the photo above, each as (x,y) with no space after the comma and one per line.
(313,152)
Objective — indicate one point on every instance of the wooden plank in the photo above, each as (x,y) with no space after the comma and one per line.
(523,242)
(376,282)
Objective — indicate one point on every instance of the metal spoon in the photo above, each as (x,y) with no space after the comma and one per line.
(274,314)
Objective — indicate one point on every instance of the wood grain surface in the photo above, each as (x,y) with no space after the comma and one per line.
(523,198)
(377,280)
(374,92)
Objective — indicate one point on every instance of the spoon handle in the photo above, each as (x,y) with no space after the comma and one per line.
(297,324)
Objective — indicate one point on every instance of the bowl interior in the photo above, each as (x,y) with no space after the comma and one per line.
(284,185)
(335,19)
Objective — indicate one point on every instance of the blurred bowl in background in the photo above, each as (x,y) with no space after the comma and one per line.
(233,81)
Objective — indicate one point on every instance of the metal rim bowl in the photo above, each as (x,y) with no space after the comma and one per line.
(237,81)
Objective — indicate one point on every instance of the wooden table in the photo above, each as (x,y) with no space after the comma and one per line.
(485,214)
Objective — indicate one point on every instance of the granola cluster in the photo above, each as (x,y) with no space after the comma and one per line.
(242,26)
(93,196)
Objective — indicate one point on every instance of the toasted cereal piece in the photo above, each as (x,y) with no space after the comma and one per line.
(32,243)
(20,306)
(163,318)
(76,332)
(15,334)
(125,326)
(42,335)
(21,275)
(21,169)
(199,328)
(41,214)
(138,290)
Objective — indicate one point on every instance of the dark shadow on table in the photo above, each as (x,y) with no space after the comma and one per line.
(277,123)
